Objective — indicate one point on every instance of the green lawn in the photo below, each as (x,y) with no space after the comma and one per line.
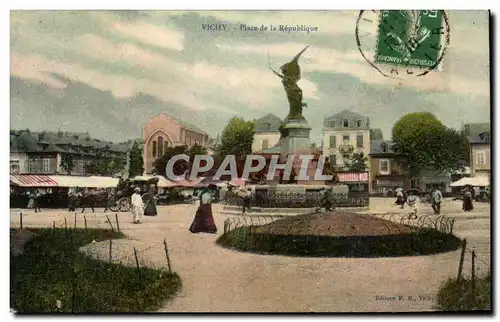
(51,269)
(457,296)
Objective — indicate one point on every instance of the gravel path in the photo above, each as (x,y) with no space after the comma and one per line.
(220,280)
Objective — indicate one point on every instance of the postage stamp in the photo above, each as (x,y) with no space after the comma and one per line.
(410,37)
(403,43)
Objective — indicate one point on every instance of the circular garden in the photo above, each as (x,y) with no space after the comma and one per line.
(338,234)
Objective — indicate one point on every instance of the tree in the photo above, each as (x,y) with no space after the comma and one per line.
(136,163)
(67,162)
(104,166)
(358,162)
(236,138)
(424,143)
(180,166)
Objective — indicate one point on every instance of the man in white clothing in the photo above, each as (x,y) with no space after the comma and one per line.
(137,206)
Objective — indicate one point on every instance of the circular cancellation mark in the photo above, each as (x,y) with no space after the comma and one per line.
(403,43)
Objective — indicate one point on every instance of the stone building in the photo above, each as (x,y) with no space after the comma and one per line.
(163,131)
(267,132)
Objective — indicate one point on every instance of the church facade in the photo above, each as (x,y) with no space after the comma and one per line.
(164,131)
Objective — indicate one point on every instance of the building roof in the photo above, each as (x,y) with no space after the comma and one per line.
(376,146)
(347,114)
(474,129)
(190,127)
(480,138)
(26,141)
(268,123)
(376,134)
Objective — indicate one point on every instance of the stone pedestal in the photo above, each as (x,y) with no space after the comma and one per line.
(296,141)
(296,138)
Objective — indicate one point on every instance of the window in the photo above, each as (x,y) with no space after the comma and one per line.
(160,146)
(34,165)
(265,144)
(345,139)
(267,126)
(165,146)
(333,160)
(346,123)
(45,165)
(14,167)
(154,149)
(332,123)
(333,141)
(480,158)
(383,148)
(384,166)
(359,140)
(360,123)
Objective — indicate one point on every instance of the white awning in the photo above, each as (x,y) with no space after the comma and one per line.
(474,181)
(85,182)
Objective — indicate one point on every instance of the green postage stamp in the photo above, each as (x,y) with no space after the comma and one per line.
(410,38)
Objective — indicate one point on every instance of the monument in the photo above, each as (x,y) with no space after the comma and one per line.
(297,197)
(295,132)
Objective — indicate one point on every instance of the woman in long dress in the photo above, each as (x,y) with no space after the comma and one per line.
(150,202)
(203,220)
(467,199)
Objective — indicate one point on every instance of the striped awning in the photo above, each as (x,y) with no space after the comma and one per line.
(353,177)
(33,180)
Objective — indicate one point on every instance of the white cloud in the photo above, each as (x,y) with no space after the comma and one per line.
(152,35)
(352,63)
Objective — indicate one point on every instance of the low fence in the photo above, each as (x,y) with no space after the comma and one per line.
(442,223)
(367,235)
(125,251)
(308,199)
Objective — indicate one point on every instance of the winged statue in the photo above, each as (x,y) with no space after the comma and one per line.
(290,75)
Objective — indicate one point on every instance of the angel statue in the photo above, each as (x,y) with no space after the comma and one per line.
(414,34)
(290,75)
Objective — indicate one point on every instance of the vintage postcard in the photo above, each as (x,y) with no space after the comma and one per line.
(250,161)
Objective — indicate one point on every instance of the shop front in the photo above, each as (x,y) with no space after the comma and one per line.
(356,181)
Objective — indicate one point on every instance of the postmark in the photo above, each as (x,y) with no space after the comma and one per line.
(403,43)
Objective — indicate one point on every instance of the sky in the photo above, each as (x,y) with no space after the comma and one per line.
(109,72)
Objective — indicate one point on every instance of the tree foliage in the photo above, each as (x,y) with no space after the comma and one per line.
(105,166)
(236,138)
(358,162)
(136,163)
(67,162)
(424,143)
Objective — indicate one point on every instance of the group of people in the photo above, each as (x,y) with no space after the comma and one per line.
(436,198)
(34,197)
(143,205)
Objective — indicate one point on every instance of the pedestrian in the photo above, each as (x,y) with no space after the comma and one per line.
(150,201)
(109,196)
(400,197)
(412,202)
(203,221)
(72,199)
(37,199)
(467,199)
(247,198)
(87,200)
(31,199)
(436,198)
(327,199)
(137,206)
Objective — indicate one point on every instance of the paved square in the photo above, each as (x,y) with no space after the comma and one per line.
(220,280)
